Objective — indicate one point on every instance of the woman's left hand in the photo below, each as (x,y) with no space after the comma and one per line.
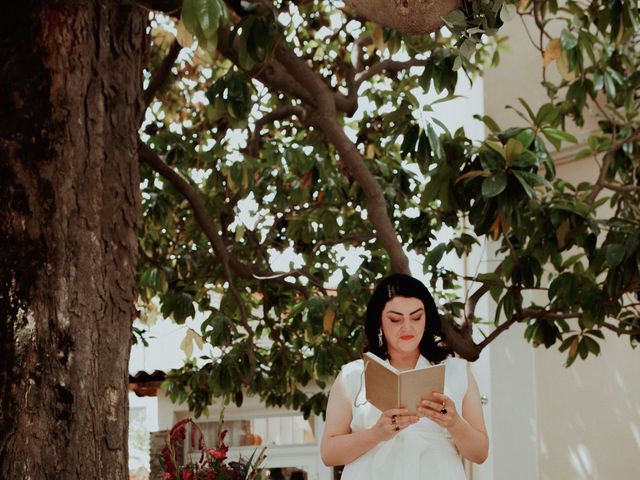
(434,411)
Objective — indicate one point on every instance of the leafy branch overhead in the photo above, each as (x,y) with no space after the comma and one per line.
(289,134)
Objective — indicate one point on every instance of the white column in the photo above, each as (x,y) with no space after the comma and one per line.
(506,376)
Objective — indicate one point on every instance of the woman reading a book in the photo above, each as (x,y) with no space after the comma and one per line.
(423,441)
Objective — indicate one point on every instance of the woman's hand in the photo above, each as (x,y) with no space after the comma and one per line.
(443,412)
(393,421)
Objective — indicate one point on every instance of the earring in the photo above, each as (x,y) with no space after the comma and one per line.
(380,337)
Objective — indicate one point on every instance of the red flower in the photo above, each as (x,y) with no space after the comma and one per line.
(211,465)
(179,429)
(168,461)
(219,454)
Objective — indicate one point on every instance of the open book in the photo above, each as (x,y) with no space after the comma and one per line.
(387,387)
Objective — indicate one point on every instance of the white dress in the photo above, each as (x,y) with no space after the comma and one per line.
(422,451)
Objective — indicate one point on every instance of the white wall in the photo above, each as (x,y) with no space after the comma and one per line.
(589,414)
(549,422)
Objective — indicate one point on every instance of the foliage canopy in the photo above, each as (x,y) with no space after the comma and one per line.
(298,128)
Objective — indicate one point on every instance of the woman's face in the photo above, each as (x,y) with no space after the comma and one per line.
(403,324)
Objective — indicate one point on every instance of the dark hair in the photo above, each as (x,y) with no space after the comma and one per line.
(401,285)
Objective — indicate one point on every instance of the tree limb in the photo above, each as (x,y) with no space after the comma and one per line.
(170,7)
(278,114)
(161,75)
(621,331)
(376,203)
(459,342)
(621,188)
(602,177)
(472,301)
(271,73)
(499,329)
(389,66)
(532,313)
(201,214)
(325,118)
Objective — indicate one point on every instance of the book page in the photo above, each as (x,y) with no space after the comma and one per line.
(415,384)
(382,385)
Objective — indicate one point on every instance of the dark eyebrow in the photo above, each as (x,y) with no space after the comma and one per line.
(399,313)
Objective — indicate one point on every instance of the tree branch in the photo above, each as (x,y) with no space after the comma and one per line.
(389,66)
(499,329)
(325,118)
(621,331)
(161,75)
(602,177)
(621,188)
(532,313)
(361,238)
(376,203)
(271,73)
(170,7)
(278,114)
(470,305)
(460,342)
(148,156)
(472,301)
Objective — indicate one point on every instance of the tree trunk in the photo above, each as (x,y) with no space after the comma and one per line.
(70,97)
(411,17)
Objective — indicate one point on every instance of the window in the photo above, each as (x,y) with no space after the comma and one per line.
(138,438)
(271,430)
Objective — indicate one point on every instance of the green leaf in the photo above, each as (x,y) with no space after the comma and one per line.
(220,333)
(508,305)
(556,137)
(179,306)
(524,103)
(513,149)
(468,48)
(323,363)
(568,40)
(595,333)
(609,86)
(592,345)
(525,137)
(548,114)
(571,260)
(456,18)
(423,154)
(567,342)
(202,18)
(435,254)
(489,122)
(211,18)
(191,10)
(494,184)
(410,139)
(614,254)
(434,142)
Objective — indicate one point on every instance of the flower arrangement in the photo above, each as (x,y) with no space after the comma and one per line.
(211,464)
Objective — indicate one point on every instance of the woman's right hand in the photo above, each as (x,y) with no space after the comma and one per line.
(393,421)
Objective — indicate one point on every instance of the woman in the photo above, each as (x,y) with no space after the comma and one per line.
(403,326)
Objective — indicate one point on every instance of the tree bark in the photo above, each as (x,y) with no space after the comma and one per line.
(70,97)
